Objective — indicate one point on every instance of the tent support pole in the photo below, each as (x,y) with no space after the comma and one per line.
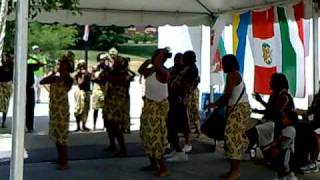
(315,49)
(20,67)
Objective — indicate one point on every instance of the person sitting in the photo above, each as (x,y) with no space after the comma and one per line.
(263,133)
(308,151)
(281,150)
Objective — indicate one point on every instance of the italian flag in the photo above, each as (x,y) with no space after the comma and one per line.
(277,43)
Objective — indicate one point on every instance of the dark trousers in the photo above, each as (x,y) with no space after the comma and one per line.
(30,108)
(177,121)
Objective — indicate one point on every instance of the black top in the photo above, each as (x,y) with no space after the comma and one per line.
(31,68)
(6,73)
(85,85)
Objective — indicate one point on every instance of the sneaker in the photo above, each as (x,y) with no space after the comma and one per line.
(312,169)
(291,176)
(178,157)
(308,167)
(187,148)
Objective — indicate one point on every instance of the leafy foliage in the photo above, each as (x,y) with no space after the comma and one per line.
(52,38)
(37,6)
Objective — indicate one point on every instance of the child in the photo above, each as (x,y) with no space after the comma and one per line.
(82,95)
(60,83)
(281,150)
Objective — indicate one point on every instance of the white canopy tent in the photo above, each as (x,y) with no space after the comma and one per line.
(117,12)
(151,12)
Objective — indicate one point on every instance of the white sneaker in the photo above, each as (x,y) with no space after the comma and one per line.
(178,157)
(310,168)
(187,148)
(292,176)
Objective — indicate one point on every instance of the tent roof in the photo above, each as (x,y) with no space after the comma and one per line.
(150,12)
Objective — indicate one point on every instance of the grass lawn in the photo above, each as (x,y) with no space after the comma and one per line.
(135,62)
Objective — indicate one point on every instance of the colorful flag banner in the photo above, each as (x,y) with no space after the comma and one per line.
(277,40)
(240,25)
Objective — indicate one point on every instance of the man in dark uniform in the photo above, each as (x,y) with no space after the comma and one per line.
(32,66)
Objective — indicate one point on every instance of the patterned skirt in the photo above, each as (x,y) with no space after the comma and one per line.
(97,96)
(59,113)
(236,126)
(5,93)
(153,129)
(82,104)
(116,106)
(193,109)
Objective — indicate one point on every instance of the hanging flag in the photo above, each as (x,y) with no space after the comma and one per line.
(292,40)
(265,49)
(278,43)
(240,25)
(221,51)
(86,32)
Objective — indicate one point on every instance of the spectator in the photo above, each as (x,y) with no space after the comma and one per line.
(37,55)
(282,148)
(279,100)
(32,66)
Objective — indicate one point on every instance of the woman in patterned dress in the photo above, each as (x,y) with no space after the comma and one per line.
(60,84)
(237,115)
(116,108)
(6,76)
(82,95)
(98,87)
(153,128)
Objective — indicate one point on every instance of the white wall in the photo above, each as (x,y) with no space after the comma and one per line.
(183,38)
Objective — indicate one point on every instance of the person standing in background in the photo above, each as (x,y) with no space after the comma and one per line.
(32,66)
(6,76)
(39,74)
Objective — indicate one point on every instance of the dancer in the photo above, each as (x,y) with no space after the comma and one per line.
(153,129)
(82,96)
(60,84)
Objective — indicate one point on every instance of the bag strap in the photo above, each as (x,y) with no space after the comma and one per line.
(241,94)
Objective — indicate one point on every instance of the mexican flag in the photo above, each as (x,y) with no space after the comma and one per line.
(277,42)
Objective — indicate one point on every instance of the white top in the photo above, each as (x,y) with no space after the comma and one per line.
(156,90)
(236,93)
(290,133)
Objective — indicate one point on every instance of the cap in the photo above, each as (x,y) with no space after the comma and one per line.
(35,47)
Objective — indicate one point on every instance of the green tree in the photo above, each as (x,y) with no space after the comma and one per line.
(52,38)
(37,6)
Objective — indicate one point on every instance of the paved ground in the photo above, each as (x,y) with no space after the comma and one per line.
(199,166)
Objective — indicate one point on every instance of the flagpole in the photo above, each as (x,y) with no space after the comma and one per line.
(315,24)
(19,101)
(86,47)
